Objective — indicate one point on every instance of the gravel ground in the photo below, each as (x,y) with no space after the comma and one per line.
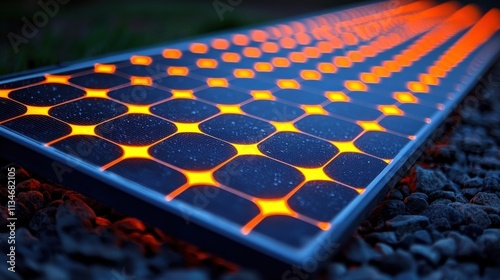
(441,221)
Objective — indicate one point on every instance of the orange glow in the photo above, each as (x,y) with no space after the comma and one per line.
(82,129)
(172,53)
(303,38)
(418,87)
(314,110)
(141,60)
(325,47)
(270,47)
(220,44)
(185,94)
(251,52)
(284,127)
(391,66)
(325,67)
(231,57)
(312,52)
(429,79)
(56,79)
(314,174)
(355,56)
(195,178)
(138,109)
(369,78)
(104,68)
(258,35)
(240,40)
(4,93)
(355,86)
(310,75)
(288,43)
(198,48)
(368,51)
(437,72)
(263,67)
(135,152)
(270,207)
(250,149)
(262,95)
(280,62)
(337,96)
(324,226)
(99,93)
(381,71)
(342,61)
(390,110)
(144,81)
(402,60)
(230,109)
(217,82)
(370,126)
(349,39)
(187,127)
(297,57)
(177,71)
(37,110)
(405,97)
(346,147)
(243,73)
(288,84)
(206,63)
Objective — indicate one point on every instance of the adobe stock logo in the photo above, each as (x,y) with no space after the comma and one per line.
(31,27)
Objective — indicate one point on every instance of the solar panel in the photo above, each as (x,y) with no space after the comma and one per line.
(264,145)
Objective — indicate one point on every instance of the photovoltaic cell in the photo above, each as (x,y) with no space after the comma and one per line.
(273,140)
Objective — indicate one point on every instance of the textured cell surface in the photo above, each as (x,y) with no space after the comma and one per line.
(267,133)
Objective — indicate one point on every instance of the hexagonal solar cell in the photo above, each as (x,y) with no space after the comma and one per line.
(88,111)
(46,94)
(237,129)
(184,110)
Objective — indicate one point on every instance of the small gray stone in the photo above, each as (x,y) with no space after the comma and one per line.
(465,246)
(446,247)
(473,214)
(428,180)
(487,199)
(358,251)
(407,223)
(422,236)
(388,237)
(426,252)
(364,273)
(383,248)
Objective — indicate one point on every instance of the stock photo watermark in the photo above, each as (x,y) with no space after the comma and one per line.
(11,219)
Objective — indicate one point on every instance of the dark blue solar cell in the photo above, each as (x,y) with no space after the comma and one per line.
(353,111)
(88,111)
(354,169)
(21,83)
(373,97)
(381,144)
(250,84)
(136,129)
(46,94)
(179,82)
(238,129)
(321,200)
(151,70)
(418,110)
(99,80)
(219,72)
(193,151)
(89,148)
(272,110)
(149,173)
(215,200)
(259,176)
(40,128)
(329,128)
(222,95)
(140,95)
(401,124)
(10,109)
(184,110)
(298,149)
(299,96)
(290,231)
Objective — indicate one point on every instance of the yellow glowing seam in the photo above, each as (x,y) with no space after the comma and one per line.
(198,48)
(206,63)
(325,67)
(280,62)
(337,96)
(297,57)
(251,52)
(240,40)
(57,79)
(37,110)
(243,73)
(104,68)
(4,93)
(370,126)
(220,44)
(231,57)
(390,110)
(346,147)
(405,97)
(262,95)
(429,79)
(200,178)
(381,71)
(288,84)
(172,53)
(342,61)
(187,127)
(314,110)
(355,86)
(230,109)
(355,56)
(98,93)
(270,207)
(217,82)
(177,71)
(263,67)
(310,75)
(82,129)
(312,52)
(138,109)
(247,149)
(135,152)
(141,60)
(314,174)
(284,126)
(418,87)
(187,94)
(369,78)
(143,81)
